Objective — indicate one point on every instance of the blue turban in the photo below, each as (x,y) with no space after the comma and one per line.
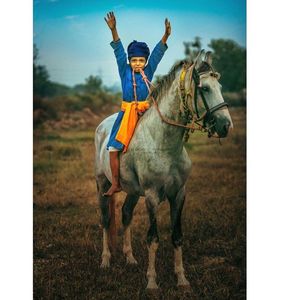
(138,49)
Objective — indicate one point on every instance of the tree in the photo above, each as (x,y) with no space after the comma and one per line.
(192,48)
(93,84)
(229,59)
(35,54)
(41,83)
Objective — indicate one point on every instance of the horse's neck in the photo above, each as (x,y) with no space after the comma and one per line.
(164,135)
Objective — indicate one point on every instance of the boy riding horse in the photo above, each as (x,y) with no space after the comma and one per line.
(133,79)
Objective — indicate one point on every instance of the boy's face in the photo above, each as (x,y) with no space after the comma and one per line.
(137,63)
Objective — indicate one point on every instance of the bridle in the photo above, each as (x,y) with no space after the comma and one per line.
(189,103)
(205,122)
(209,110)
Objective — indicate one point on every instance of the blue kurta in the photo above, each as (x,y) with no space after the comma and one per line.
(125,72)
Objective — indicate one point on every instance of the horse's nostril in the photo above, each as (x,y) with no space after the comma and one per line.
(226,127)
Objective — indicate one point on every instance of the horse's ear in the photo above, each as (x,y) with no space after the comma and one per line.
(198,60)
(208,57)
(202,55)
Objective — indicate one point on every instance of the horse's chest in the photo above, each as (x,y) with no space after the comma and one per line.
(161,169)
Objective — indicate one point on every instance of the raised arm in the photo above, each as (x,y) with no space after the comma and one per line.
(112,24)
(159,50)
(167,31)
(117,44)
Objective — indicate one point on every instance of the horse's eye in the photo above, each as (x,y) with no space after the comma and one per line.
(205,88)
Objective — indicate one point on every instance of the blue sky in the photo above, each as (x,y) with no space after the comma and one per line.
(73,38)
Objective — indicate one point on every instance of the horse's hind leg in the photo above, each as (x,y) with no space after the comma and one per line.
(127,211)
(102,185)
(176,205)
(152,202)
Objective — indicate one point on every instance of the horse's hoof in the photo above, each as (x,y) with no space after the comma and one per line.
(105,263)
(182,281)
(152,286)
(131,260)
(153,293)
(184,287)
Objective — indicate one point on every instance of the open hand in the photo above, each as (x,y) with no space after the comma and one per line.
(111,20)
(167,27)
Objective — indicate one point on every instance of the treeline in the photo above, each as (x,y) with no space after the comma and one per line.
(229,59)
(53,98)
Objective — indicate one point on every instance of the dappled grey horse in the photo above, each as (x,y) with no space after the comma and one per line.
(156,164)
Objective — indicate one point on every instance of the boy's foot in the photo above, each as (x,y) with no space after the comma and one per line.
(113,189)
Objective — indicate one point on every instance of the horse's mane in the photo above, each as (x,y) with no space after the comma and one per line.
(163,83)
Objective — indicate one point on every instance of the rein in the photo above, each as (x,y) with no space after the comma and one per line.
(165,119)
(191,116)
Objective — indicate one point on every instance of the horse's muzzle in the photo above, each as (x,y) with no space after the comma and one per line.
(222,125)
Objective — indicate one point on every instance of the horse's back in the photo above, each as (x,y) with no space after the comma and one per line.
(102,134)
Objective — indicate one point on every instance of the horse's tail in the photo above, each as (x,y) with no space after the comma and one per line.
(112,231)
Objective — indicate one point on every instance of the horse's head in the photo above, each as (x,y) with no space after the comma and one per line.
(208,101)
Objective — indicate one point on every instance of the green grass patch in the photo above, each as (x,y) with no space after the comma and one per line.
(49,137)
(45,166)
(53,137)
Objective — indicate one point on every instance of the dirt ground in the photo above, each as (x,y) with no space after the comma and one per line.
(68,241)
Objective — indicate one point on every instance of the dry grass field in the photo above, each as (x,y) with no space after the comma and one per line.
(68,241)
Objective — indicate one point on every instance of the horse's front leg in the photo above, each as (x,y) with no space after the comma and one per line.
(102,185)
(127,211)
(152,238)
(176,205)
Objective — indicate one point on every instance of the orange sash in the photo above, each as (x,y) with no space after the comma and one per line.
(129,120)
